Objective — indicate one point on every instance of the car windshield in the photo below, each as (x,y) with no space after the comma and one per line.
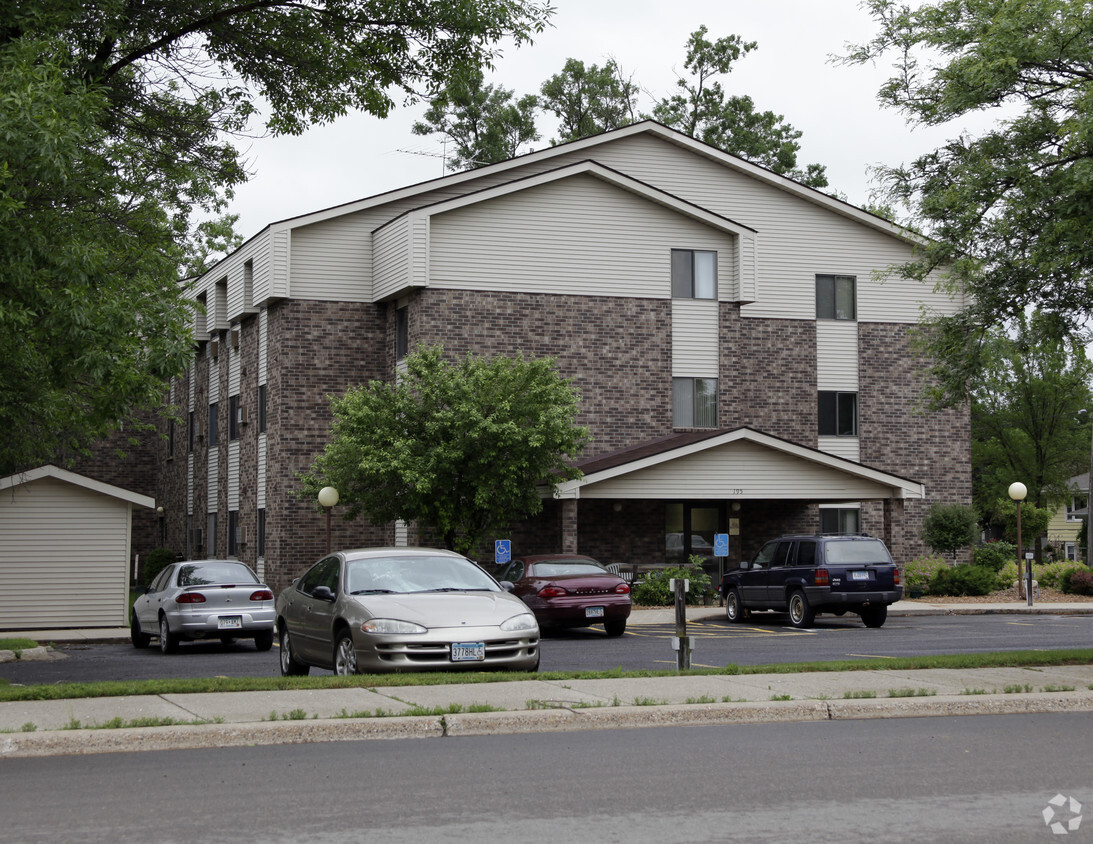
(557,568)
(857,551)
(425,573)
(204,574)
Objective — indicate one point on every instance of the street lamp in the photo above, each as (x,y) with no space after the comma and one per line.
(1017,492)
(328,497)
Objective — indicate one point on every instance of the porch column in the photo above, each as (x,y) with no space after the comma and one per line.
(894,526)
(569,525)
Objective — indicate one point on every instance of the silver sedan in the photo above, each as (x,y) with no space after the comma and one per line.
(204,599)
(402,609)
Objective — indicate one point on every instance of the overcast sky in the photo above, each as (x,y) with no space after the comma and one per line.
(790,73)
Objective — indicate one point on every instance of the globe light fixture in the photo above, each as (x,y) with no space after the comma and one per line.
(328,497)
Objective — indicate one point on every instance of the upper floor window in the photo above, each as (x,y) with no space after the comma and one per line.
(838,414)
(212,424)
(1075,508)
(694,274)
(234,417)
(402,332)
(836,297)
(261,408)
(694,402)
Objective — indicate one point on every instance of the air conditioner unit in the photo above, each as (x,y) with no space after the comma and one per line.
(199,431)
(235,338)
(214,349)
(241,535)
(243,416)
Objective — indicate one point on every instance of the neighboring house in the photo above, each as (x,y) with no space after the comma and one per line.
(741,368)
(65,550)
(1064,529)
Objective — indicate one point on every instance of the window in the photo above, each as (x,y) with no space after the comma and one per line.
(840,520)
(835,297)
(233,533)
(233,418)
(838,414)
(190,433)
(1075,508)
(262,532)
(170,438)
(261,408)
(694,402)
(210,535)
(212,424)
(694,274)
(402,332)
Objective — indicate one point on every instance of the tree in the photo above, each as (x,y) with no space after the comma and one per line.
(457,447)
(486,123)
(209,241)
(1007,210)
(949,527)
(1027,419)
(589,100)
(119,120)
(703,110)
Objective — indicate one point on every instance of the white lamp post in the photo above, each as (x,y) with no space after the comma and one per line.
(1017,492)
(328,497)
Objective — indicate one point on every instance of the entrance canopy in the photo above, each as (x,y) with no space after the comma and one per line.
(741,463)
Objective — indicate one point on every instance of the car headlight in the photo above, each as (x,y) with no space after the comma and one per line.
(523,621)
(392,625)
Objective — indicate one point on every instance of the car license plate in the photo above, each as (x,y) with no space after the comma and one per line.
(859,575)
(593,612)
(468,651)
(230,622)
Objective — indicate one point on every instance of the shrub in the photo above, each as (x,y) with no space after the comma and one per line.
(1007,575)
(653,591)
(994,555)
(964,580)
(949,527)
(1051,574)
(1078,581)
(157,560)
(918,573)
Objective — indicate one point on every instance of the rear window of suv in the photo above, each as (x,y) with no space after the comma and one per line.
(857,551)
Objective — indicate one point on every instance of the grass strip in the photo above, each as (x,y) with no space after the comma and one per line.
(61,691)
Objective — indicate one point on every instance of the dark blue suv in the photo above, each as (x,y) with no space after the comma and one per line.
(810,574)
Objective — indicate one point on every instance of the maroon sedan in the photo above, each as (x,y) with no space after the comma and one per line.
(570,590)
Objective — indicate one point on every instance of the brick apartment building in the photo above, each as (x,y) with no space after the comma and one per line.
(740,367)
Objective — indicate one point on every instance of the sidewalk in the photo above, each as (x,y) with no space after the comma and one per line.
(36,728)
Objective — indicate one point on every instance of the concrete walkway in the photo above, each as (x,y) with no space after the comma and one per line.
(171,721)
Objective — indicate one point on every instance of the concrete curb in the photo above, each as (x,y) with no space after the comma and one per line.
(192,737)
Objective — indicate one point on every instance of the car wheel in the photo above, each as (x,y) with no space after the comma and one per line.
(290,667)
(168,641)
(874,616)
(734,609)
(800,613)
(345,655)
(263,641)
(615,627)
(139,638)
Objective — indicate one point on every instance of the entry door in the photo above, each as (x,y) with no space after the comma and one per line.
(690,529)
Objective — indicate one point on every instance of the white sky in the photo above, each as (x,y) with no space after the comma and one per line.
(790,73)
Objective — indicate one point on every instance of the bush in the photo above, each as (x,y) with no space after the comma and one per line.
(964,580)
(918,573)
(949,527)
(994,555)
(1078,581)
(653,591)
(1007,575)
(157,560)
(1051,575)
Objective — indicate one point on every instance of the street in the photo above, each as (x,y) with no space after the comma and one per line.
(763,640)
(970,779)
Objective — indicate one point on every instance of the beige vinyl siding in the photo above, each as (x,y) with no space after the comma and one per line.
(233,368)
(80,577)
(277,277)
(263,344)
(695,345)
(212,498)
(756,471)
(849,448)
(332,260)
(190,484)
(836,355)
(233,475)
(260,493)
(392,256)
(214,385)
(574,236)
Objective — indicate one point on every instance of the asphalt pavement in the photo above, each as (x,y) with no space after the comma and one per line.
(116,724)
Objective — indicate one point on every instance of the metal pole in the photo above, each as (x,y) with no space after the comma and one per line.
(1020,549)
(683,655)
(328,509)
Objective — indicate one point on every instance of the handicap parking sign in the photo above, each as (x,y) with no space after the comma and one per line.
(502,550)
(721,545)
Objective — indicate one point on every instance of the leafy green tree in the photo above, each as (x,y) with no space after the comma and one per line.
(486,123)
(117,120)
(457,447)
(209,241)
(1008,208)
(703,110)
(949,527)
(1034,521)
(1027,422)
(589,100)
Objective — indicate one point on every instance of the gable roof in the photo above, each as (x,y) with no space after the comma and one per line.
(57,473)
(724,458)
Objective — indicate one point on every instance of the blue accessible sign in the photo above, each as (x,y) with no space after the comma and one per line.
(721,545)
(502,551)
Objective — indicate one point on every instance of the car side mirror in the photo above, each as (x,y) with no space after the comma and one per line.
(508,585)
(323,593)
(147,590)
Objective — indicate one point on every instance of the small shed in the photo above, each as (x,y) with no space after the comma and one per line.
(65,545)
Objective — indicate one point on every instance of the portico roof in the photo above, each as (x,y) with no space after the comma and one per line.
(740,463)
